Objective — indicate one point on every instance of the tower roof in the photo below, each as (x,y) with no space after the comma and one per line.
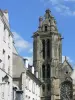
(47,24)
(49,21)
(47,14)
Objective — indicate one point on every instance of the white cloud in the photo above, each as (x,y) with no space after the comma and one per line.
(55,2)
(30,59)
(61,7)
(70,0)
(64,10)
(20,43)
(31,50)
(68,58)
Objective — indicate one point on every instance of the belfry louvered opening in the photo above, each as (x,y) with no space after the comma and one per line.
(43,71)
(43,48)
(48,48)
(48,71)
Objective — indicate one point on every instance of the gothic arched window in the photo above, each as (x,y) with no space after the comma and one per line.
(43,71)
(43,88)
(45,28)
(43,48)
(48,87)
(48,48)
(66,91)
(48,71)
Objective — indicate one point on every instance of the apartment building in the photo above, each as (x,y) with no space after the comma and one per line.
(27,85)
(6,42)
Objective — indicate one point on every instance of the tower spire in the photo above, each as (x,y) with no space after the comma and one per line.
(47,14)
(45,48)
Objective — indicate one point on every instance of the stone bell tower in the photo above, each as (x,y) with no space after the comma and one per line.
(47,54)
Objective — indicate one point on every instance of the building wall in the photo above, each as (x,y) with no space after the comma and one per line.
(31,89)
(6,57)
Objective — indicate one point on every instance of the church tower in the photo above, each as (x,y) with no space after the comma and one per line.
(47,54)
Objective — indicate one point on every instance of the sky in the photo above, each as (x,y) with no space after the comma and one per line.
(23,19)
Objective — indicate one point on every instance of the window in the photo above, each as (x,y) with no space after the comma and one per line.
(48,71)
(43,48)
(26,82)
(2,90)
(29,98)
(33,87)
(43,88)
(48,48)
(43,71)
(48,87)
(29,84)
(66,91)
(3,59)
(8,40)
(8,64)
(4,35)
(45,28)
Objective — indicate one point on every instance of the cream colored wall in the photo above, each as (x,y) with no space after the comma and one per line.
(31,88)
(4,45)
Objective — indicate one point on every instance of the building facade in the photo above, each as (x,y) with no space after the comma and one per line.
(25,81)
(32,86)
(47,61)
(6,42)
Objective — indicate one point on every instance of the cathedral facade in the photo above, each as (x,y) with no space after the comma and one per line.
(47,61)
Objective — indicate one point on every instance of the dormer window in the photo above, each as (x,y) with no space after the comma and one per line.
(45,28)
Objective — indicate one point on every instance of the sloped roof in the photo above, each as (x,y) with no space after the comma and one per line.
(67,63)
(18,65)
(18,68)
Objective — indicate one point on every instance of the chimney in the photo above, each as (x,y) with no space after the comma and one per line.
(36,74)
(32,69)
(25,63)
